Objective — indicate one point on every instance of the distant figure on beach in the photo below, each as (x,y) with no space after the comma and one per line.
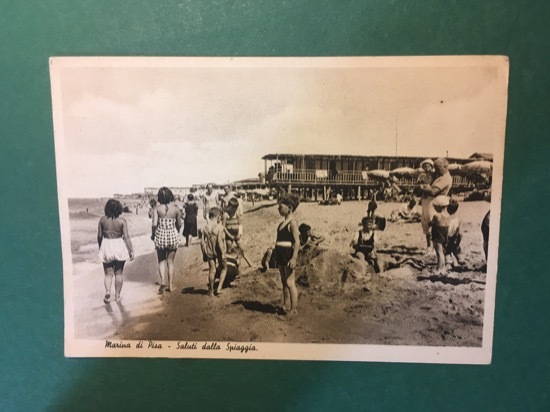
(214,249)
(425,180)
(372,206)
(191,209)
(440,230)
(233,227)
(406,213)
(115,247)
(153,204)
(286,251)
(209,200)
(454,237)
(364,243)
(167,223)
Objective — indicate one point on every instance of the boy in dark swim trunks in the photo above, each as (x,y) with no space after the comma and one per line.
(440,230)
(214,249)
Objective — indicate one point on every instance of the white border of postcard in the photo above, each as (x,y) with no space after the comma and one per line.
(258,350)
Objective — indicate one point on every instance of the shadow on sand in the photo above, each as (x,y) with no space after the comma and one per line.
(256,306)
(450,280)
(260,207)
(193,291)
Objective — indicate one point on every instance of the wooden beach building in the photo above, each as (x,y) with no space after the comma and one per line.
(319,175)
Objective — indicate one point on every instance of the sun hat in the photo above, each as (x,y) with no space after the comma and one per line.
(427,161)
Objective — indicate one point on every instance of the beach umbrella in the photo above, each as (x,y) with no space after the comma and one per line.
(478,167)
(261,192)
(403,172)
(454,168)
(379,174)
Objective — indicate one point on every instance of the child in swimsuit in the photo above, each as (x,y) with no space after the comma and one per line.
(115,247)
(452,248)
(233,227)
(214,249)
(440,230)
(167,223)
(286,251)
(364,243)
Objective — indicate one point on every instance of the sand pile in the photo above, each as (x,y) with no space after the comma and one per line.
(330,268)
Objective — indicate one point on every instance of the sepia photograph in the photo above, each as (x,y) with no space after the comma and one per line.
(308,208)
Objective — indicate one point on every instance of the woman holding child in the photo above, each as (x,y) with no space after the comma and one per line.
(167,223)
(430,190)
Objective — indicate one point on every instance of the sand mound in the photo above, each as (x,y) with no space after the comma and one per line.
(329,268)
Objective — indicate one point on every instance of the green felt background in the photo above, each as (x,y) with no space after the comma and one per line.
(33,372)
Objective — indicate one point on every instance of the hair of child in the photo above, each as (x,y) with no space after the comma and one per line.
(113,208)
(291,200)
(304,228)
(190,196)
(153,202)
(214,212)
(453,206)
(165,195)
(366,220)
(233,203)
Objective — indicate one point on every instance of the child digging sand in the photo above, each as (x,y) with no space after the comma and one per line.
(115,247)
(364,243)
(286,252)
(214,249)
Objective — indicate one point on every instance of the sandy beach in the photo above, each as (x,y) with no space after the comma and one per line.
(341,300)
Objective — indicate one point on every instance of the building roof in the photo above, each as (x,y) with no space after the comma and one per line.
(485,156)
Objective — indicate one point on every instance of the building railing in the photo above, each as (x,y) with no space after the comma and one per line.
(313,177)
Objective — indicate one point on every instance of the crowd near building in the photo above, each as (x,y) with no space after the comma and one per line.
(316,176)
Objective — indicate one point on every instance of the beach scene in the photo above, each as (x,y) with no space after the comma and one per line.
(337,201)
(341,299)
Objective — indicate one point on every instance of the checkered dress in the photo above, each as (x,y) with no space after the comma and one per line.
(166,236)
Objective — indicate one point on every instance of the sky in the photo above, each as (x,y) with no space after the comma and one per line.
(126,126)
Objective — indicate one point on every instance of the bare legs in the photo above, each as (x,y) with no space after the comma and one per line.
(113,269)
(211,276)
(440,254)
(166,267)
(223,273)
(290,292)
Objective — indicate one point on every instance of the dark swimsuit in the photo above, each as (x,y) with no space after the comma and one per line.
(440,234)
(283,254)
(365,246)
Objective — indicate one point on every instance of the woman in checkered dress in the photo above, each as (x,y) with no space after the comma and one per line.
(167,223)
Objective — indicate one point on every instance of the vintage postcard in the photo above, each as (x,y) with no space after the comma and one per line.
(332,208)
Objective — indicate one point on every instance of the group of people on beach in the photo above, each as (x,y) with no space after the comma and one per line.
(439,220)
(221,236)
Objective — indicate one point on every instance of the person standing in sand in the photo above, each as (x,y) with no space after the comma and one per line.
(191,209)
(214,249)
(209,200)
(115,247)
(440,231)
(425,180)
(286,251)
(167,223)
(233,227)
